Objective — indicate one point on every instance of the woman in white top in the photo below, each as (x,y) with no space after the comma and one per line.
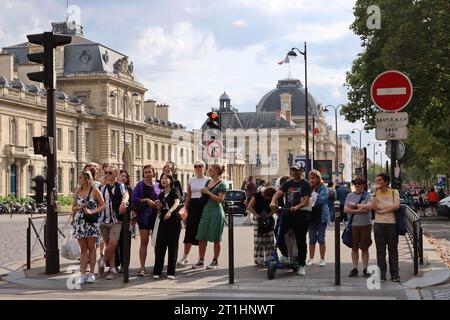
(193,205)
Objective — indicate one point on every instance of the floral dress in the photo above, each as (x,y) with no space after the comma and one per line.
(82,229)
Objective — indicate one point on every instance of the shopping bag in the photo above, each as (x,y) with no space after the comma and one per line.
(155,231)
(70,249)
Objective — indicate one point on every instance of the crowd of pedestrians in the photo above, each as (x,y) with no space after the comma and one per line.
(159,208)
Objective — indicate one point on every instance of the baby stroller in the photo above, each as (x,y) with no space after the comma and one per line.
(290,242)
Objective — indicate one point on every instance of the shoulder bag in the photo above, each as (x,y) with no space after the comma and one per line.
(347,233)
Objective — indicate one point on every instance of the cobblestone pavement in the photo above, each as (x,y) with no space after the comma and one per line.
(13,232)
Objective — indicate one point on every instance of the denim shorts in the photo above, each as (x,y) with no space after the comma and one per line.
(316,232)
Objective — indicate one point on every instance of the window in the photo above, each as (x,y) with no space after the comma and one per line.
(44,130)
(30,133)
(72,185)
(156,152)
(60,180)
(289,139)
(87,142)
(59,139)
(138,146)
(30,179)
(138,175)
(138,111)
(113,105)
(163,153)
(71,141)
(182,155)
(113,142)
(192,156)
(149,151)
(13,132)
(274,160)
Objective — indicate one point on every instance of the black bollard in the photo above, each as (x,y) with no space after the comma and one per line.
(337,243)
(230,244)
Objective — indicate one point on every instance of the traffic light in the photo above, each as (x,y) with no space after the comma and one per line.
(43,145)
(213,120)
(47,58)
(38,189)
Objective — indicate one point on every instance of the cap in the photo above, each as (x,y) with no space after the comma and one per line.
(297,166)
(359,180)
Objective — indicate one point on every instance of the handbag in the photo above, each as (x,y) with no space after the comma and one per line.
(266,223)
(204,198)
(347,233)
(399,219)
(90,218)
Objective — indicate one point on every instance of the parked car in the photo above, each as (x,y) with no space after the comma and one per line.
(234,201)
(443,209)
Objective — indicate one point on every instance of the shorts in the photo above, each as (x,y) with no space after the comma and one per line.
(316,231)
(146,221)
(361,237)
(110,231)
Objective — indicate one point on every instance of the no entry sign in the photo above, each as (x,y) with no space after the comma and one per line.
(391,91)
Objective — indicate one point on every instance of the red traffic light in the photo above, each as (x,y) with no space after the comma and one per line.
(214,116)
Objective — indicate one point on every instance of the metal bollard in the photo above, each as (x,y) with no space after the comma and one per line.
(29,244)
(337,243)
(230,245)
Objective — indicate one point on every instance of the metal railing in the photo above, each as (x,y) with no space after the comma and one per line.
(414,235)
(37,233)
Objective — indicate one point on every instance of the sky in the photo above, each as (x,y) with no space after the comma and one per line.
(187,52)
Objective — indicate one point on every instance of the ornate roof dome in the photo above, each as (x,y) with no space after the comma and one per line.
(271,101)
(225,96)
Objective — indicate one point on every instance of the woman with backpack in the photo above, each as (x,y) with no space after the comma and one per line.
(264,243)
(87,204)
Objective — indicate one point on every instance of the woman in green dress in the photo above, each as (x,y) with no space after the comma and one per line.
(212,220)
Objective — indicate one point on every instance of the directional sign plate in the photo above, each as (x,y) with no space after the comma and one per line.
(391,119)
(391,133)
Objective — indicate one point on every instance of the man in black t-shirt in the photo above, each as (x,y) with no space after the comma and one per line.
(297,192)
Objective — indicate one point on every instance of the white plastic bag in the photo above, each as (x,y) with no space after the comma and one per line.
(155,231)
(70,249)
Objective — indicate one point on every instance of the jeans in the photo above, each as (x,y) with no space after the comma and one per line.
(316,232)
(299,222)
(386,235)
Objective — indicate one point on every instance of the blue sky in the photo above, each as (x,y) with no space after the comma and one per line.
(186,52)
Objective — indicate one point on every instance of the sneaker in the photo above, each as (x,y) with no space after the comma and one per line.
(183,262)
(198,265)
(90,278)
(213,265)
(322,263)
(301,271)
(396,279)
(171,277)
(353,273)
(284,259)
(81,280)
(155,276)
(383,277)
(309,262)
(112,276)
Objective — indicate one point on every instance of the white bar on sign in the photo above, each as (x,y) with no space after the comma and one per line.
(390,91)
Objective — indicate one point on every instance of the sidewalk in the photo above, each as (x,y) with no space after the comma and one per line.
(250,281)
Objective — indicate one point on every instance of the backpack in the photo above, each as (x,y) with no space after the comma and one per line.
(116,198)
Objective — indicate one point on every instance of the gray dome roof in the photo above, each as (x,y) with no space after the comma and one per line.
(224,96)
(272,102)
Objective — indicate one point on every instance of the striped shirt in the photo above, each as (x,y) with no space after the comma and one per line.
(108,215)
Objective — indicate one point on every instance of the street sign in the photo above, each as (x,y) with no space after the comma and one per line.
(214,149)
(391,120)
(302,161)
(341,166)
(391,133)
(441,181)
(400,151)
(391,91)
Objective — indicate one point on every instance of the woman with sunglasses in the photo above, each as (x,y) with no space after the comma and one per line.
(87,201)
(193,206)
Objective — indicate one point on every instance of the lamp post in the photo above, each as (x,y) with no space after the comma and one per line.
(291,54)
(374,153)
(337,147)
(353,132)
(114,94)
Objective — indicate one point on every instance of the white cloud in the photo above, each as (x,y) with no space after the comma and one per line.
(240,23)
(320,32)
(275,6)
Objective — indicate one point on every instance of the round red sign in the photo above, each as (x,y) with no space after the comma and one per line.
(391,91)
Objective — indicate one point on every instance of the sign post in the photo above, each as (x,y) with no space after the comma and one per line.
(391,91)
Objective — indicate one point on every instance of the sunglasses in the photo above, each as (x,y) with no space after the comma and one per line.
(109,172)
(196,167)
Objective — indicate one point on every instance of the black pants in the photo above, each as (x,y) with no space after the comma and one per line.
(167,238)
(386,235)
(299,222)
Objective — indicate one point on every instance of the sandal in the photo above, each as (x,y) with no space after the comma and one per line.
(141,273)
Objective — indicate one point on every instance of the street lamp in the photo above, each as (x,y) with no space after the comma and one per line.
(292,55)
(337,147)
(353,132)
(374,162)
(113,94)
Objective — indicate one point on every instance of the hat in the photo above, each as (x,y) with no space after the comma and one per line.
(359,180)
(297,166)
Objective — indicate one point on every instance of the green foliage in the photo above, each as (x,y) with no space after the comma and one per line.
(415,39)
(65,201)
